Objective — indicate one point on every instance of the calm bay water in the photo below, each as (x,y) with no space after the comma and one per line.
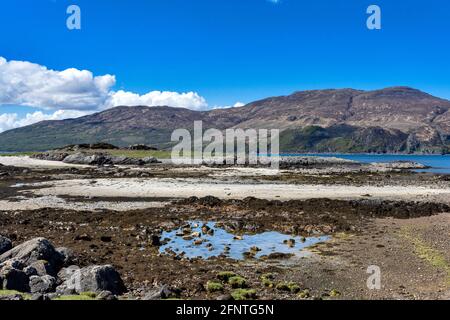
(438,163)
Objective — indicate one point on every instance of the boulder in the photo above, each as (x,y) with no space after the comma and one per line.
(44,284)
(67,256)
(13,279)
(42,268)
(66,273)
(5,244)
(95,279)
(34,250)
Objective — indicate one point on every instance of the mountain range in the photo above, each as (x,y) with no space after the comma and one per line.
(391,120)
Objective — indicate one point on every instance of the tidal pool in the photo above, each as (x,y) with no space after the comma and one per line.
(193,242)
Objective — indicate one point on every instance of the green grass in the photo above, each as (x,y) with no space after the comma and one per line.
(226,275)
(305,294)
(288,286)
(427,253)
(214,286)
(237,282)
(244,294)
(26,296)
(19,154)
(159,154)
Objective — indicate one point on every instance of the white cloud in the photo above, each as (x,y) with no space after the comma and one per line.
(10,121)
(29,84)
(189,100)
(73,93)
(236,105)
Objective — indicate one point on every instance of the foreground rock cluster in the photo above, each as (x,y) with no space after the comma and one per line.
(37,270)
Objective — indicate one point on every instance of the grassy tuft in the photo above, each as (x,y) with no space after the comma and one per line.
(226,275)
(214,286)
(244,294)
(237,282)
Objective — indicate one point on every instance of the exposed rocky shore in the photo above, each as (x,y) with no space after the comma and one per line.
(37,270)
(393,218)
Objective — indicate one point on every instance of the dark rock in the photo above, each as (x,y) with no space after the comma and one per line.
(155,240)
(5,244)
(40,297)
(43,268)
(33,251)
(96,279)
(106,239)
(44,284)
(67,256)
(30,271)
(14,279)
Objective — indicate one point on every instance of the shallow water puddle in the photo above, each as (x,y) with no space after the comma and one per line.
(206,240)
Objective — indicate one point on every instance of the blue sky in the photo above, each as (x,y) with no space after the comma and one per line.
(230,51)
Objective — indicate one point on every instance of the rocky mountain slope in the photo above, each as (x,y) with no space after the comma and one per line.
(398,119)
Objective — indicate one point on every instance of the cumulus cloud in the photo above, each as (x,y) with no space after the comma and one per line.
(29,84)
(189,100)
(10,121)
(73,93)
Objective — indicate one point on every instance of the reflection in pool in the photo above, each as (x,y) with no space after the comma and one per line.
(206,240)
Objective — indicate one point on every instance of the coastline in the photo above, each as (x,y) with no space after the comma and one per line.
(120,215)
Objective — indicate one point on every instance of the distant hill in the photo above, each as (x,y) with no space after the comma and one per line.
(393,120)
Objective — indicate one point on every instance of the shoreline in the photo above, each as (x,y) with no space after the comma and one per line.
(117,215)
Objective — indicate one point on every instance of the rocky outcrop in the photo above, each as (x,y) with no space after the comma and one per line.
(36,267)
(32,252)
(50,156)
(95,159)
